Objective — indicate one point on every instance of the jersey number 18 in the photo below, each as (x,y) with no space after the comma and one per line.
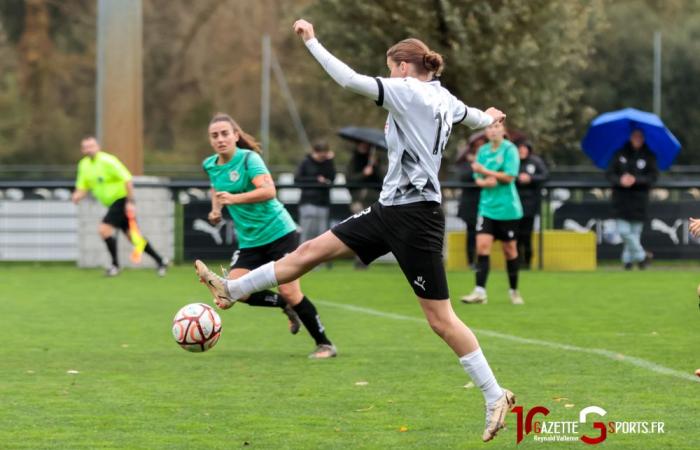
(442,133)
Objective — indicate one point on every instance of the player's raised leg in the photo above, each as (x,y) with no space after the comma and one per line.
(307,256)
(267,298)
(461,339)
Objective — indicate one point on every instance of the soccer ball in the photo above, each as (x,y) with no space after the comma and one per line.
(196,327)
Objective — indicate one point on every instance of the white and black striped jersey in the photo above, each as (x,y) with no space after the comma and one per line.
(421,117)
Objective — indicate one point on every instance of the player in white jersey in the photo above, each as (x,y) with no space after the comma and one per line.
(407,220)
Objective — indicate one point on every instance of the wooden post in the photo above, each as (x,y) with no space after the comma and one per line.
(120,80)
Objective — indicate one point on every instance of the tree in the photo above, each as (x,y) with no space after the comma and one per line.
(46,96)
(621,73)
(521,56)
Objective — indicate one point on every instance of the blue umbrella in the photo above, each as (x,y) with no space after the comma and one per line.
(610,131)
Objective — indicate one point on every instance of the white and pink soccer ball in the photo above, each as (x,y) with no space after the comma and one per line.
(196,327)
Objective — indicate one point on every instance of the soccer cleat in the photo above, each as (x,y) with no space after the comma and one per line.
(112,271)
(496,415)
(515,297)
(163,267)
(324,351)
(476,297)
(215,284)
(643,264)
(294,322)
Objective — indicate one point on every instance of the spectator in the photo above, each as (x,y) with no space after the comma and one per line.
(533,173)
(469,200)
(314,206)
(364,168)
(632,171)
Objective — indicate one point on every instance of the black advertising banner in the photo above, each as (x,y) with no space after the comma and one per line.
(665,230)
(201,240)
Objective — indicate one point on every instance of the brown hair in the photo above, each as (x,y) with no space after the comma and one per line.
(320,146)
(245,140)
(414,51)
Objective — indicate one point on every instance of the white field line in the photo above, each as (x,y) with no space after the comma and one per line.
(639,362)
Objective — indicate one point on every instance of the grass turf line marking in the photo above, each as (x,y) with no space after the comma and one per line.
(639,362)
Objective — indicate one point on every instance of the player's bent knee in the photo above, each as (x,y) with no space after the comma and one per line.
(291,292)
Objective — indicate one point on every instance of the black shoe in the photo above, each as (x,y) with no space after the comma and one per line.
(628,266)
(643,264)
(293,317)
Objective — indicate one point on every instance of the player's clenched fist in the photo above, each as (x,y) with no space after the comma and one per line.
(694,227)
(304,29)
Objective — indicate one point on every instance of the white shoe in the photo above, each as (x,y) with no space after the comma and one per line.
(163,267)
(112,271)
(477,296)
(515,297)
(215,284)
(324,351)
(496,415)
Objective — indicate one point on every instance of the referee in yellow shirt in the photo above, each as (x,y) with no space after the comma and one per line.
(109,181)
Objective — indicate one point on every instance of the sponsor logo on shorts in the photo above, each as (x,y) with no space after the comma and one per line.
(420,282)
(234,258)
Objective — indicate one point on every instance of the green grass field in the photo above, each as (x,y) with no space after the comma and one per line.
(137,389)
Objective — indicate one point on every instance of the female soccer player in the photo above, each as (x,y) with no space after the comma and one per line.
(266,232)
(407,220)
(495,171)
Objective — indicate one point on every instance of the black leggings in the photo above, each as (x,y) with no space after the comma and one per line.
(471,242)
(525,240)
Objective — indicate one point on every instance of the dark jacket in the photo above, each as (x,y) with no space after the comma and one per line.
(531,193)
(355,174)
(469,201)
(308,172)
(631,203)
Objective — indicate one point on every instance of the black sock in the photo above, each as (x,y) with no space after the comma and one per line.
(266,298)
(152,252)
(512,267)
(309,317)
(482,270)
(111,244)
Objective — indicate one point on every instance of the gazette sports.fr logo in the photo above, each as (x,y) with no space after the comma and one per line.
(531,422)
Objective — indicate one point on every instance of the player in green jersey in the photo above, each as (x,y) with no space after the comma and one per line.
(500,211)
(266,232)
(110,183)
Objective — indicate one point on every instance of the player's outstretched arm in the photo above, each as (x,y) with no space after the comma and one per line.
(476,118)
(338,70)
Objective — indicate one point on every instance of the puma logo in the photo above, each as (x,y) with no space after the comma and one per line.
(213,230)
(670,231)
(420,282)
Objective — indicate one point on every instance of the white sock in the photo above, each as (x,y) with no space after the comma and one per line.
(254,281)
(480,290)
(477,367)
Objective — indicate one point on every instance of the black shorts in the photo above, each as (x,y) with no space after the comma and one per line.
(503,230)
(414,233)
(253,257)
(116,215)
